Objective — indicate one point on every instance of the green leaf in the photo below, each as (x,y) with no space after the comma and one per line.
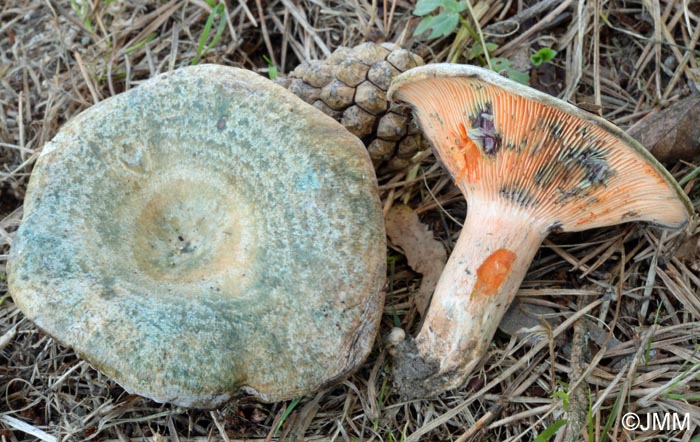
(455,6)
(425,7)
(544,55)
(423,26)
(477,50)
(550,431)
(563,396)
(271,68)
(442,25)
(500,64)
(445,25)
(520,77)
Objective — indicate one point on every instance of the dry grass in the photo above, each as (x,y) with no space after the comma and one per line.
(626,298)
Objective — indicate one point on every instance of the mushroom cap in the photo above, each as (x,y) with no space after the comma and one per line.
(205,233)
(568,168)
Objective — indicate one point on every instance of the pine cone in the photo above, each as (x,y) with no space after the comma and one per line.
(351,86)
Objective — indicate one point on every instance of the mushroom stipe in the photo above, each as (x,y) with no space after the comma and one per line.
(204,234)
(528,164)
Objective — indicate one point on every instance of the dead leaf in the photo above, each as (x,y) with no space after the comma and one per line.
(424,253)
(520,319)
(671,134)
(599,335)
(688,251)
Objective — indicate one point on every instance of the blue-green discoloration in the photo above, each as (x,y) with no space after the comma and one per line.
(186,243)
(517,195)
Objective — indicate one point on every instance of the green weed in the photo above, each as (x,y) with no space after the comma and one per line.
(141,44)
(286,413)
(544,55)
(564,396)
(218,11)
(271,68)
(83,11)
(442,24)
(444,17)
(550,431)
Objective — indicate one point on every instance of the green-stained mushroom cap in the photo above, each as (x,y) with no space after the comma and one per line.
(204,234)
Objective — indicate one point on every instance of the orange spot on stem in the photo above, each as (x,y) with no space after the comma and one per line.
(493,272)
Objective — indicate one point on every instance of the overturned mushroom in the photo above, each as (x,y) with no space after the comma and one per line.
(205,233)
(528,164)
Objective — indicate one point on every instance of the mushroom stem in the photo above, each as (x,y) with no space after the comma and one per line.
(485,269)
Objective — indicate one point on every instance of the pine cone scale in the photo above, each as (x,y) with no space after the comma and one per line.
(350,85)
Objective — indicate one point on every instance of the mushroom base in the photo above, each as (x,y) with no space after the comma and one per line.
(414,373)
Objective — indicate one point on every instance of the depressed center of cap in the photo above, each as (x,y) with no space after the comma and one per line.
(186,228)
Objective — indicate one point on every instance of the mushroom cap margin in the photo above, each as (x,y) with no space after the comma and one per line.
(448,70)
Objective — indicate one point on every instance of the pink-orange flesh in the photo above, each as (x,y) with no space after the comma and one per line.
(492,272)
(537,158)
